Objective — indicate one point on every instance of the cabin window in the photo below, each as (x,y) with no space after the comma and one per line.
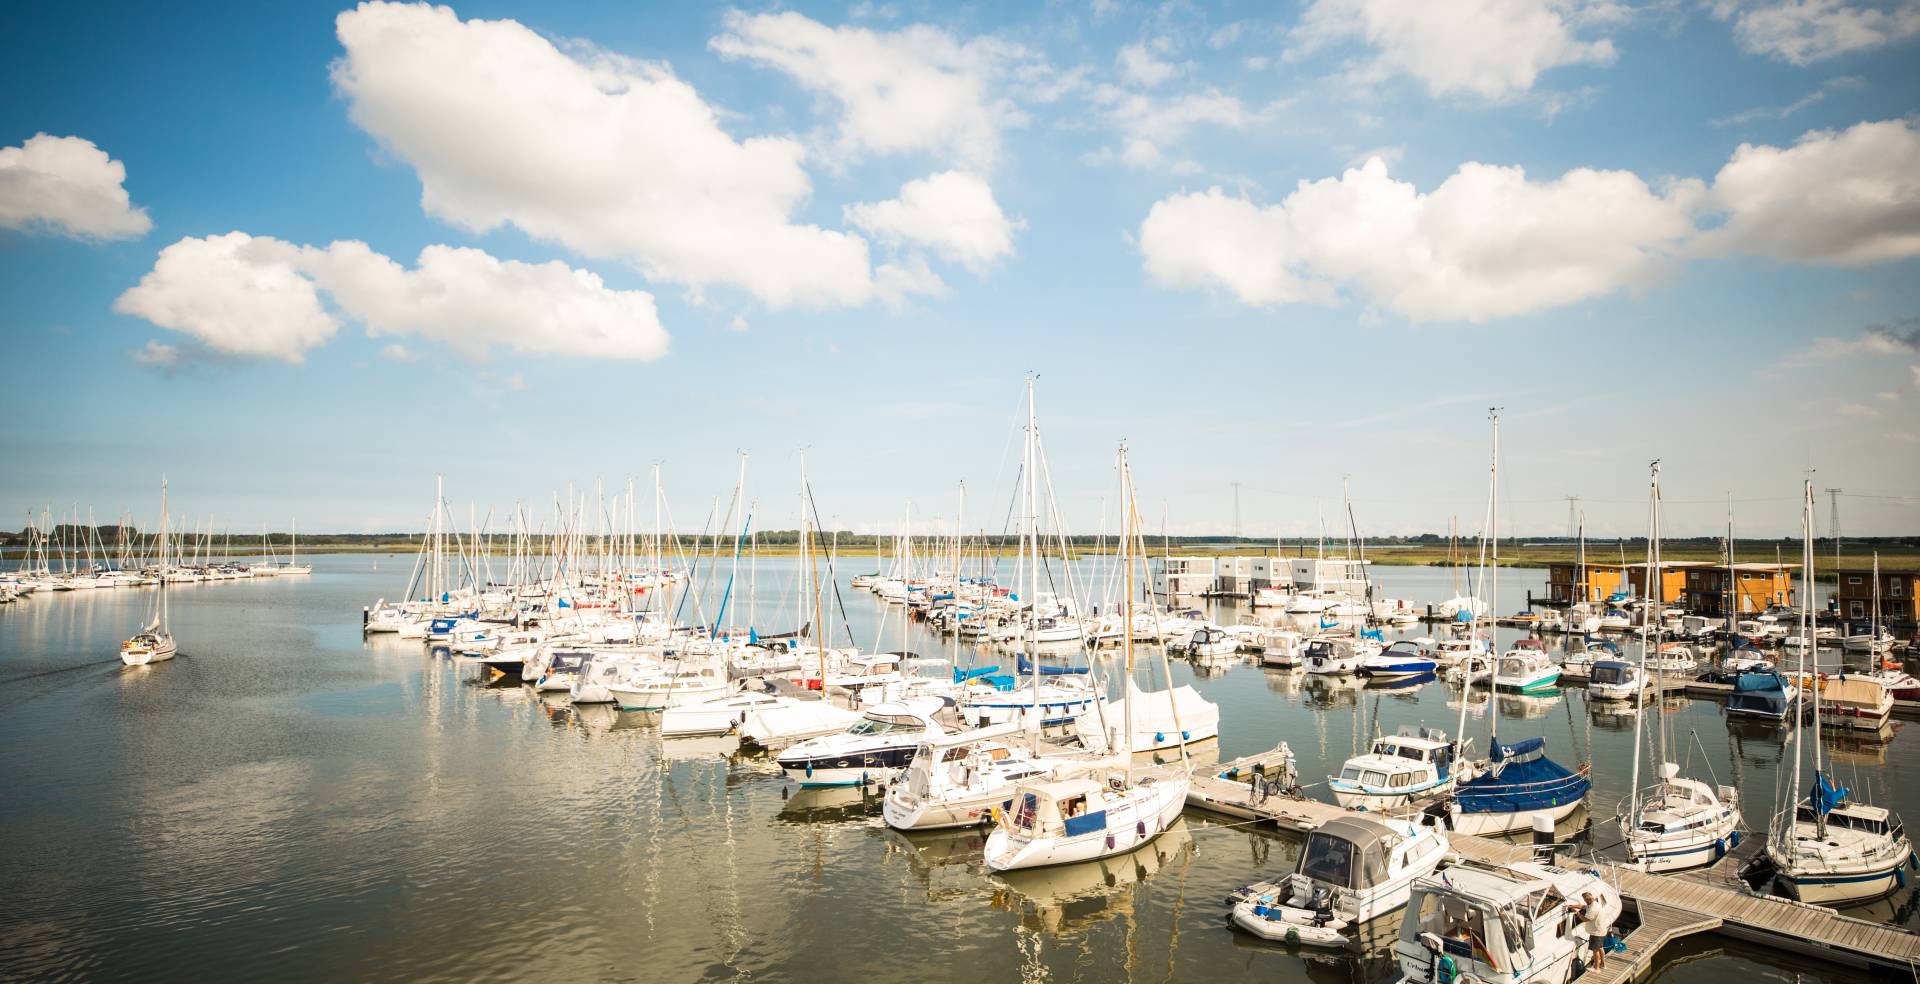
(1328,859)
(1401,779)
(1350,773)
(1073,806)
(1458,924)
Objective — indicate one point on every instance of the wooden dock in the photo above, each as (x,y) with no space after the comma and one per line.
(1671,906)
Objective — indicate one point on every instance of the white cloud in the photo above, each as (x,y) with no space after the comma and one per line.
(739,323)
(952,212)
(1845,199)
(1782,112)
(1858,410)
(259,296)
(608,156)
(68,186)
(1149,126)
(918,89)
(158,355)
(398,353)
(235,294)
(1486,243)
(1492,49)
(1916,375)
(1142,67)
(1804,31)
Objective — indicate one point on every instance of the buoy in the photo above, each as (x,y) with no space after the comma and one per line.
(1293,936)
(1159,738)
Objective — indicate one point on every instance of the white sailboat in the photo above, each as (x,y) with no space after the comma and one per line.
(154,642)
(1825,848)
(1082,815)
(1679,822)
(293,565)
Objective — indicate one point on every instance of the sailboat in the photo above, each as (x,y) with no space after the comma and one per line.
(1075,816)
(293,565)
(1826,848)
(1517,780)
(154,643)
(1680,822)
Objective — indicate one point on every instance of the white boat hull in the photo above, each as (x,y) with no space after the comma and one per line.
(1148,813)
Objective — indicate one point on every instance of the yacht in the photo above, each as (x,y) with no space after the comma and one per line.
(1505,926)
(1403,658)
(1064,821)
(154,642)
(1402,769)
(1519,781)
(872,749)
(1854,702)
(1352,871)
(671,684)
(1682,823)
(1616,680)
(1210,640)
(1526,670)
(958,780)
(1764,694)
(1334,655)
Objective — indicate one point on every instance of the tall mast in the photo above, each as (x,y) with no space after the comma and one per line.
(1032,536)
(1493,584)
(1640,698)
(1126,631)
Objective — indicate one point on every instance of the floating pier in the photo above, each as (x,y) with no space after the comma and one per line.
(1670,906)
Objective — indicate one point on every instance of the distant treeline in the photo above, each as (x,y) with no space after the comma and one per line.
(848,541)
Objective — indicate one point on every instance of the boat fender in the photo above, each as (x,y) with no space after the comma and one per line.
(1293,936)
(1109,840)
(1140,830)
(809,770)
(1159,738)
(1185,737)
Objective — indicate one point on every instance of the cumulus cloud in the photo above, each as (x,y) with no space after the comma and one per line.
(952,212)
(1843,199)
(918,89)
(1150,126)
(1491,49)
(1801,32)
(1486,243)
(1139,65)
(608,156)
(1489,242)
(260,296)
(235,294)
(68,186)
(158,355)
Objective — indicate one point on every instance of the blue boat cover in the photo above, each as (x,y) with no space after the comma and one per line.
(1525,746)
(1026,666)
(1522,786)
(1002,683)
(962,676)
(1751,682)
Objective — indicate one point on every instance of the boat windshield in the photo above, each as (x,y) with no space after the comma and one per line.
(880,724)
(1460,925)
(1328,859)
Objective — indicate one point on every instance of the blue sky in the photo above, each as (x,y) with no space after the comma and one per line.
(531,245)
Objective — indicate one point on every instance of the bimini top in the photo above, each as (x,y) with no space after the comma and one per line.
(1350,852)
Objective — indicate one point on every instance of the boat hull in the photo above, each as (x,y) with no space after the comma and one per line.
(1127,828)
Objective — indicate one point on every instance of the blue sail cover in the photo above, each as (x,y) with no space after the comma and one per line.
(1523,785)
(962,676)
(1606,644)
(1824,796)
(1526,746)
(1026,666)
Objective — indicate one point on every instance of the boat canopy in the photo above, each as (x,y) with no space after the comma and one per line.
(1350,852)
(1753,682)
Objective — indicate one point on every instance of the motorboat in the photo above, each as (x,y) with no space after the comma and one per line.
(1578,664)
(1856,702)
(1616,680)
(958,780)
(1513,925)
(1399,770)
(1526,670)
(1351,871)
(673,683)
(1282,648)
(873,749)
(1763,694)
(1334,656)
(1404,658)
(1209,640)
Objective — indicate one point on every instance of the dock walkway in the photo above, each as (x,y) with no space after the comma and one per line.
(1739,912)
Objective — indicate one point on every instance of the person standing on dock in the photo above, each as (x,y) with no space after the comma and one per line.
(1593,921)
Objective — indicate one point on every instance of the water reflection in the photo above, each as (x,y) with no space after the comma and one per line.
(1070,897)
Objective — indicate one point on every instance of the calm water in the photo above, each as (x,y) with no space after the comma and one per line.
(288,801)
